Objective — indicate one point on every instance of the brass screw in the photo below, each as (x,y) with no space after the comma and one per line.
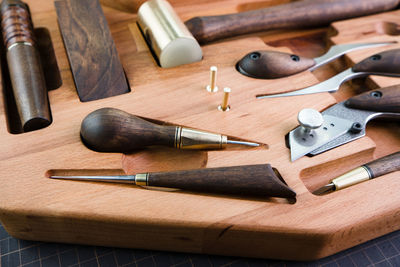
(212,87)
(224,106)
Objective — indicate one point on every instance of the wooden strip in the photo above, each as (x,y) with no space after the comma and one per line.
(93,58)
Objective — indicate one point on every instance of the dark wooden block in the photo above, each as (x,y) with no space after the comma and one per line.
(92,55)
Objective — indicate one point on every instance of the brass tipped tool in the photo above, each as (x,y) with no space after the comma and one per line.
(373,169)
(113,130)
(251,180)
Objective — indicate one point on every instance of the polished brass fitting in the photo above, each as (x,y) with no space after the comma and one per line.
(186,138)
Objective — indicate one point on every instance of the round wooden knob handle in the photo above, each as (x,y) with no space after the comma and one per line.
(272,64)
(114,130)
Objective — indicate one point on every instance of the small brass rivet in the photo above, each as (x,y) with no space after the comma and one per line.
(224,106)
(212,87)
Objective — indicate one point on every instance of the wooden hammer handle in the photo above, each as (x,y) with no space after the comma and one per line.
(305,13)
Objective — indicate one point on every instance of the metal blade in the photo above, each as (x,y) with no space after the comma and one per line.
(339,50)
(357,116)
(242,143)
(325,189)
(330,85)
(302,144)
(129,179)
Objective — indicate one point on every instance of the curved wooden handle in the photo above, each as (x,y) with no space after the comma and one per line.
(384,63)
(250,180)
(298,14)
(382,100)
(385,165)
(114,130)
(272,64)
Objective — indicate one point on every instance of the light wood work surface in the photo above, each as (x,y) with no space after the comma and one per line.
(36,208)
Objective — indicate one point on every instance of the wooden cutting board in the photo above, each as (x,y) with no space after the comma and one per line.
(36,208)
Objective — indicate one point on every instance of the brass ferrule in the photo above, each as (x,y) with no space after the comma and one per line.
(141,179)
(186,138)
(352,177)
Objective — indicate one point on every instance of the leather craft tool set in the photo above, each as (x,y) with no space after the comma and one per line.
(126,95)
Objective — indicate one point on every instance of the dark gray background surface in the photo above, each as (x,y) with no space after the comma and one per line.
(383,251)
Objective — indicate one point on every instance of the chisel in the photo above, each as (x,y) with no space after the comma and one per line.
(370,170)
(250,180)
(114,130)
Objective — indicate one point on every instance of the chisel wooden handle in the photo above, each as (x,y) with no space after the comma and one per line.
(385,165)
(305,13)
(250,180)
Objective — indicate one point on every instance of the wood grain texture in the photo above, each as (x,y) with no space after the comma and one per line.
(273,64)
(387,62)
(250,180)
(113,130)
(385,99)
(385,165)
(37,208)
(95,64)
(24,66)
(297,14)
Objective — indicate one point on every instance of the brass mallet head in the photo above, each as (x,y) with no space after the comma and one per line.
(167,36)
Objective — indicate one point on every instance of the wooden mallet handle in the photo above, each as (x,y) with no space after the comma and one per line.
(299,14)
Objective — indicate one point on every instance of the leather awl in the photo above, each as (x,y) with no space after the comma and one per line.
(175,43)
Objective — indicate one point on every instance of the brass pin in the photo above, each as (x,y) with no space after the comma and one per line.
(224,106)
(212,87)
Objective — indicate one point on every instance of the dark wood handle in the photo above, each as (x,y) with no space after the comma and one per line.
(385,63)
(114,130)
(298,14)
(23,61)
(272,64)
(382,100)
(250,180)
(385,165)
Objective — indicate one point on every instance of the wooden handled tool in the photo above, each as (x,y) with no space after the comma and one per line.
(386,63)
(26,74)
(174,43)
(250,180)
(273,64)
(299,14)
(373,169)
(114,130)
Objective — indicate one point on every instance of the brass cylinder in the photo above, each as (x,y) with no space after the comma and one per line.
(26,74)
(166,34)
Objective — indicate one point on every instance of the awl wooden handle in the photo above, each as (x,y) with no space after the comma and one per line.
(250,180)
(305,13)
